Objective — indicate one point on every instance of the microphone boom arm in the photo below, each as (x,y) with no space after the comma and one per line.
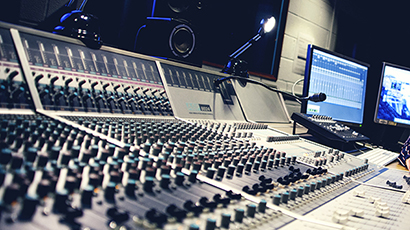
(316,97)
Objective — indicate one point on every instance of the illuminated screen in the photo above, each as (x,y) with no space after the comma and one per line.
(393,100)
(342,79)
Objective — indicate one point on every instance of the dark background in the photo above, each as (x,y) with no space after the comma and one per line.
(223,26)
(374,32)
(370,31)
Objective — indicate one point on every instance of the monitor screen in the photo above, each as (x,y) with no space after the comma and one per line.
(342,79)
(393,101)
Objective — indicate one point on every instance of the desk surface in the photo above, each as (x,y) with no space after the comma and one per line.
(396,165)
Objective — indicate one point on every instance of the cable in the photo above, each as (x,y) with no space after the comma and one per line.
(293,88)
(316,97)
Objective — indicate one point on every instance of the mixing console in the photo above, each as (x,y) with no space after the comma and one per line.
(328,128)
(107,139)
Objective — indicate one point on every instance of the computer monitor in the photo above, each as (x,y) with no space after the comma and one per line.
(342,79)
(393,100)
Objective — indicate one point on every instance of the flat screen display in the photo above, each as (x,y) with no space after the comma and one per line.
(342,79)
(393,101)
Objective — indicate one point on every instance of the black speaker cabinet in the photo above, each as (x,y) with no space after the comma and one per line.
(173,31)
(189,10)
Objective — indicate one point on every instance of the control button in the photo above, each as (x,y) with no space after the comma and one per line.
(156,217)
(118,216)
(293,194)
(307,189)
(359,193)
(192,176)
(87,194)
(109,191)
(239,214)
(251,210)
(60,201)
(262,206)
(5,156)
(165,181)
(190,206)
(225,220)
(193,227)
(276,199)
(179,180)
(29,207)
(210,224)
(300,191)
(340,216)
(285,197)
(176,212)
(357,212)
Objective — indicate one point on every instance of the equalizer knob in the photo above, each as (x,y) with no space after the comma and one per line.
(156,217)
(117,215)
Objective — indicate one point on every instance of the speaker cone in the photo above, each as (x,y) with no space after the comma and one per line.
(178,6)
(182,40)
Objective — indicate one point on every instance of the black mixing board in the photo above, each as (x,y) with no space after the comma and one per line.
(327,127)
(90,139)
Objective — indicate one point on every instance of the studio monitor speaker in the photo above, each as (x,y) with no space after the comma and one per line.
(173,31)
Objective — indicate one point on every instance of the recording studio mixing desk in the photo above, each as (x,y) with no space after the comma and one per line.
(108,139)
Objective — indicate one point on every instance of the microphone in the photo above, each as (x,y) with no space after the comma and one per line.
(317,97)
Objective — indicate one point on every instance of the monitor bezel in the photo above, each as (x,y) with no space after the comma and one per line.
(382,121)
(306,81)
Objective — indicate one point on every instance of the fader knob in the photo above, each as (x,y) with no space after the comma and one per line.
(193,227)
(29,207)
(262,206)
(239,215)
(300,191)
(87,194)
(307,189)
(2,176)
(192,176)
(179,180)
(149,184)
(210,224)
(5,156)
(130,188)
(109,191)
(165,180)
(276,199)
(285,197)
(11,193)
(293,194)
(225,220)
(60,201)
(251,210)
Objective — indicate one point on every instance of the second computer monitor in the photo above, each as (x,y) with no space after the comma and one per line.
(342,79)
(393,100)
